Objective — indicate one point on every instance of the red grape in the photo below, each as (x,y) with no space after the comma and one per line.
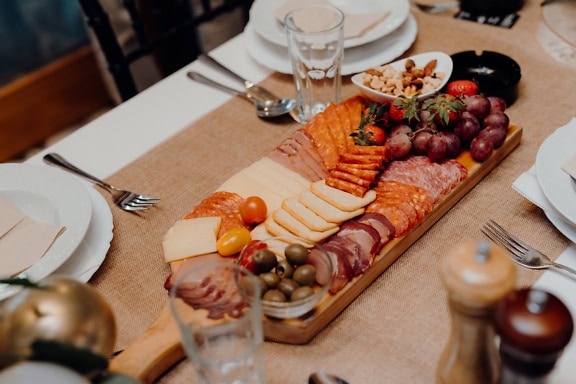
(496,119)
(436,149)
(481,148)
(467,129)
(496,135)
(478,105)
(420,142)
(400,129)
(497,104)
(452,143)
(400,145)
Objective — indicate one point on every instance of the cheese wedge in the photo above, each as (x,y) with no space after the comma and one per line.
(293,225)
(279,172)
(191,237)
(341,199)
(306,216)
(246,186)
(326,210)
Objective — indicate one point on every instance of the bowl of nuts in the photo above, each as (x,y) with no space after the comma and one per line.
(420,75)
(294,274)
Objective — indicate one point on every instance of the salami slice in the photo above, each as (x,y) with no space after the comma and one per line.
(351,178)
(346,186)
(397,217)
(362,159)
(366,174)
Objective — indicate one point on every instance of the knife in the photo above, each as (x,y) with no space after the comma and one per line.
(252,89)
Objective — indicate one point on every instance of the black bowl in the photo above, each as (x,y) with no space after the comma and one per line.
(496,74)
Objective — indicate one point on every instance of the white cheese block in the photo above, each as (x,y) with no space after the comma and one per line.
(281,174)
(257,177)
(191,237)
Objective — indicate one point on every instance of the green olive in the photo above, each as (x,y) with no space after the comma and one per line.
(275,296)
(287,286)
(264,260)
(301,293)
(247,283)
(271,279)
(296,254)
(305,274)
(284,269)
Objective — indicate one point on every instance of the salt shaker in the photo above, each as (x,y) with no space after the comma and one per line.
(534,327)
(476,276)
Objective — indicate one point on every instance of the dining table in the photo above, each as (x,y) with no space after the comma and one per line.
(180,140)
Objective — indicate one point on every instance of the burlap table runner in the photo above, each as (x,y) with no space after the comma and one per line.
(395,330)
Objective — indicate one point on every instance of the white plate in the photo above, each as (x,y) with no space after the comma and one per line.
(444,65)
(50,196)
(558,187)
(565,228)
(92,251)
(269,28)
(356,59)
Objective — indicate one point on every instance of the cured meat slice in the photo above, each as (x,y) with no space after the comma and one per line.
(298,154)
(354,253)
(310,156)
(393,213)
(346,186)
(364,235)
(366,174)
(377,150)
(224,204)
(380,223)
(417,197)
(351,178)
(362,159)
(342,270)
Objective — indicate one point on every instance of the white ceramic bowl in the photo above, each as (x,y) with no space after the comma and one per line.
(444,65)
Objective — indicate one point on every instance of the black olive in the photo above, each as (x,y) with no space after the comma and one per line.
(296,254)
(305,274)
(287,286)
(264,260)
(284,269)
(275,296)
(301,293)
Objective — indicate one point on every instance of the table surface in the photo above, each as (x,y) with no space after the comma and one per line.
(546,101)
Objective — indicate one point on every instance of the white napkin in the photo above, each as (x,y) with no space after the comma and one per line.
(23,241)
(355,24)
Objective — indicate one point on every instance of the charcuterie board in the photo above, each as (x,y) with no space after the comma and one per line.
(159,347)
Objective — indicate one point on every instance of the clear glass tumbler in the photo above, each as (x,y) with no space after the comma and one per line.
(315,36)
(217,308)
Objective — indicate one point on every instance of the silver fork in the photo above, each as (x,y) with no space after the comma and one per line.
(522,253)
(128,201)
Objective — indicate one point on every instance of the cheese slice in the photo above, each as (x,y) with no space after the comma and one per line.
(191,237)
(341,199)
(277,230)
(282,175)
(326,210)
(268,182)
(293,225)
(306,216)
(245,187)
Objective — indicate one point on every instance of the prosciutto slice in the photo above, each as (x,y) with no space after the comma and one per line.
(342,270)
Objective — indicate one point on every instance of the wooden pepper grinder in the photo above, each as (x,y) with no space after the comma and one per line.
(476,276)
(534,327)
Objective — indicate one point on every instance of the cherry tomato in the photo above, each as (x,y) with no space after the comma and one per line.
(253,210)
(246,260)
(232,241)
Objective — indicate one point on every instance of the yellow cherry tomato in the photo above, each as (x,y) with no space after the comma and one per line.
(232,241)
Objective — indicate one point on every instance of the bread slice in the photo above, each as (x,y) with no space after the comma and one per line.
(289,222)
(305,215)
(340,199)
(326,210)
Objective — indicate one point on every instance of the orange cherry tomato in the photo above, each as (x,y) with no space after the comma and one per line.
(253,210)
(232,241)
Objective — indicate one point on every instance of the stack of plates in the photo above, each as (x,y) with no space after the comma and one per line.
(52,196)
(557,186)
(266,40)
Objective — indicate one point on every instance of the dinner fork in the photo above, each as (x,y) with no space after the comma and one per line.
(522,253)
(128,201)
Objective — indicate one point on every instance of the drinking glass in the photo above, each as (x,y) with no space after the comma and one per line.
(315,36)
(218,310)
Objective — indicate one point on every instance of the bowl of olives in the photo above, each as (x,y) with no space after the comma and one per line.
(294,274)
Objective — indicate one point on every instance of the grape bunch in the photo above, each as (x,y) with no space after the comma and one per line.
(443,126)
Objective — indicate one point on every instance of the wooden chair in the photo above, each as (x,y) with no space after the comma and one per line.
(165,29)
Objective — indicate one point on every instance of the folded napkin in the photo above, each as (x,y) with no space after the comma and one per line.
(355,24)
(23,241)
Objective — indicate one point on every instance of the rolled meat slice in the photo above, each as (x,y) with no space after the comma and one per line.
(342,270)
(380,223)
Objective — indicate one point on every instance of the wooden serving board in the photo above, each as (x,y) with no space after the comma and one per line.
(159,347)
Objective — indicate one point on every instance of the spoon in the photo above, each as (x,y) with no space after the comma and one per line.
(264,108)
(437,7)
(325,378)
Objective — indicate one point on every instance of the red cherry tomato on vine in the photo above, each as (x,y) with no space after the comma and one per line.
(253,210)
(378,134)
